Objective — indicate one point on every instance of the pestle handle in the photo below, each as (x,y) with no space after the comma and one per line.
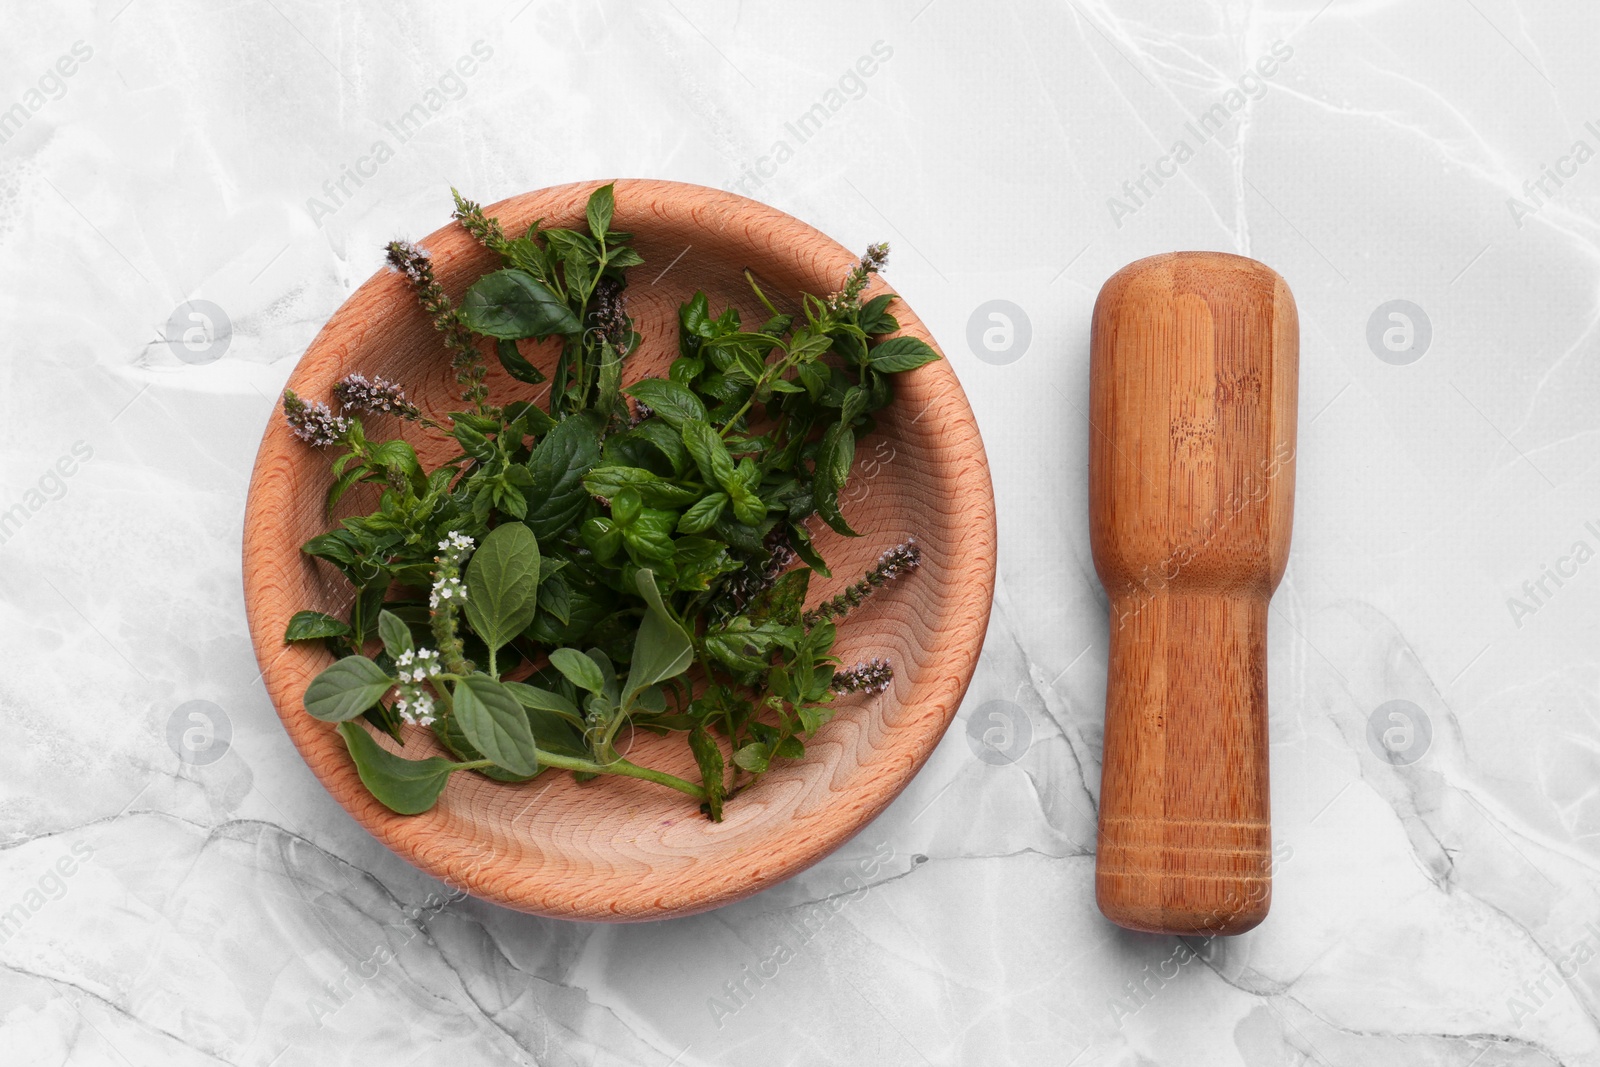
(1193,393)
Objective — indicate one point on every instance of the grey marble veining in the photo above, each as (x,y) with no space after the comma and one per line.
(1425,176)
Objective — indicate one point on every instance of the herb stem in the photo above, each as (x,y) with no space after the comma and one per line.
(622,767)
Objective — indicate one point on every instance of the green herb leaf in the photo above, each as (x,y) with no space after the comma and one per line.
(555,598)
(899,354)
(703,514)
(649,536)
(531,696)
(602,202)
(503,584)
(578,668)
(395,634)
(752,757)
(834,457)
(311,625)
(661,649)
(711,455)
(511,304)
(782,601)
(493,721)
(516,364)
(558,464)
(346,689)
(673,402)
(709,759)
(401,785)
(800,541)
(875,317)
(741,645)
(653,489)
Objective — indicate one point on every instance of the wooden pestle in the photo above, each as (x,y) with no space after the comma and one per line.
(1193,370)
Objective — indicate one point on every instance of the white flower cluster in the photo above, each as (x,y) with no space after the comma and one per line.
(457,542)
(415,707)
(415,704)
(415,666)
(449,588)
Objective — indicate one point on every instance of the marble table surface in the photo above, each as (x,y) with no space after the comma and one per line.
(188,190)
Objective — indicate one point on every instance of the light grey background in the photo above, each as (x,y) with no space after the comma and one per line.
(1436,901)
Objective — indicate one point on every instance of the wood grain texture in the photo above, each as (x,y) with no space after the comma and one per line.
(1193,390)
(618,849)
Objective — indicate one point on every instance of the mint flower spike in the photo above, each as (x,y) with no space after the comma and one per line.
(872,261)
(416,264)
(899,560)
(868,676)
(486,231)
(312,422)
(376,396)
(611,311)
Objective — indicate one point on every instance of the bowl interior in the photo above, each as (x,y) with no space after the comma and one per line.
(620,849)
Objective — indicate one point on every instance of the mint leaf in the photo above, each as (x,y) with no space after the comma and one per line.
(311,625)
(558,464)
(673,402)
(703,514)
(602,202)
(510,304)
(900,354)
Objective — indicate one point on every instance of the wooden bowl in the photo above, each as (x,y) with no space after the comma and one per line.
(618,849)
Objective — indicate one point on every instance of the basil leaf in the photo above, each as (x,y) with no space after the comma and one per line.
(503,584)
(673,402)
(579,669)
(346,689)
(602,202)
(395,634)
(310,625)
(405,786)
(900,354)
(492,719)
(511,303)
(661,649)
